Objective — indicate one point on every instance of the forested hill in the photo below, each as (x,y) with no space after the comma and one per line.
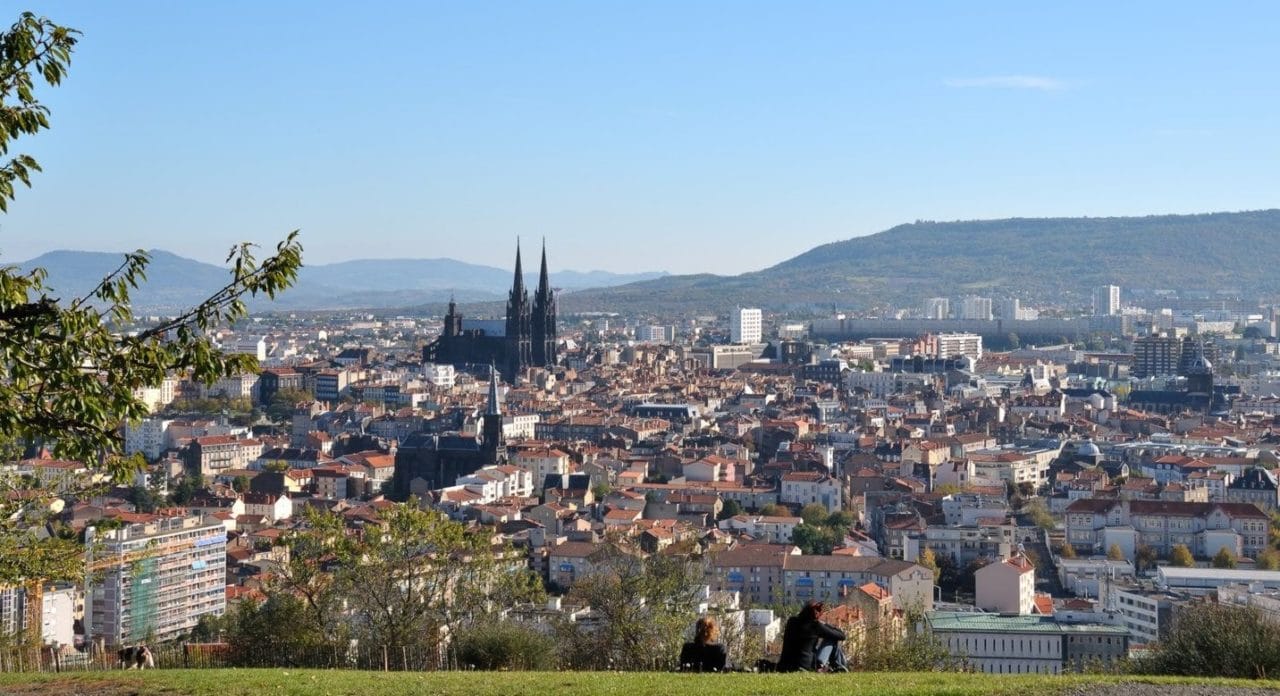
(1045,259)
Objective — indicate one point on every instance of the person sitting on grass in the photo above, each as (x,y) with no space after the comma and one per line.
(704,653)
(809,644)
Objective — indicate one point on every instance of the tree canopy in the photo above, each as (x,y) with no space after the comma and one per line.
(1181,557)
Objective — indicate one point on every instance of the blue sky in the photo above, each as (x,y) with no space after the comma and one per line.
(684,136)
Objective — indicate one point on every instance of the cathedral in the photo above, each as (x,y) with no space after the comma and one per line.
(527,339)
(427,461)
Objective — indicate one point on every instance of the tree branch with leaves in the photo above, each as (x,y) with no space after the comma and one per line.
(71,374)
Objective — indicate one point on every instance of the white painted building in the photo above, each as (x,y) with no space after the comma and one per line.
(147,436)
(746,326)
(439,376)
(519,426)
(806,487)
(158,396)
(975,308)
(236,387)
(774,530)
(937,308)
(955,345)
(1140,613)
(542,462)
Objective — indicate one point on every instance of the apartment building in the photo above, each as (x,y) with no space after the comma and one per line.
(1106,300)
(1156,356)
(1007,586)
(775,530)
(808,487)
(746,326)
(214,454)
(954,345)
(148,436)
(1094,525)
(962,544)
(156,576)
(542,462)
(975,308)
(779,573)
(1257,486)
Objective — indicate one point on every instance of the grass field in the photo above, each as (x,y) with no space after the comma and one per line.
(285,682)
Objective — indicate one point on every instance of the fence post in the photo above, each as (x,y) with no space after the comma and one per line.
(385,667)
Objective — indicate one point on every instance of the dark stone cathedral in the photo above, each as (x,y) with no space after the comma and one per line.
(528,338)
(426,461)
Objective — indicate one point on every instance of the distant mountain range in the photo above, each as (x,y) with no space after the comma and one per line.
(1050,260)
(1042,260)
(174,282)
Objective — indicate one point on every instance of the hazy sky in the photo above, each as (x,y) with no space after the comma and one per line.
(685,136)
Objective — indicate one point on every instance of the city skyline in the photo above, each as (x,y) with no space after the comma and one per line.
(467,127)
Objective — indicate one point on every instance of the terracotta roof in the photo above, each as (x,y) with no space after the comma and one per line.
(875,591)
(1021,563)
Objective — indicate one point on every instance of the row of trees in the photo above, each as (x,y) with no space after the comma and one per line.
(421,584)
(1180,556)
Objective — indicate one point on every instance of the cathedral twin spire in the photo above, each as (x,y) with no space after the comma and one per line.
(531,329)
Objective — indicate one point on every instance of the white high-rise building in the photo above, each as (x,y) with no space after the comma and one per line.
(1012,310)
(157,578)
(1106,300)
(746,325)
(976,308)
(937,308)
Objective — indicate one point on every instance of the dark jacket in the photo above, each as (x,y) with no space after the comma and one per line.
(702,657)
(800,643)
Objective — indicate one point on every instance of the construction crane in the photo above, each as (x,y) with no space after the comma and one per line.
(33,588)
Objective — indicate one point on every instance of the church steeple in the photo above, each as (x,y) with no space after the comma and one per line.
(491,433)
(517,284)
(544,317)
(495,406)
(544,279)
(519,352)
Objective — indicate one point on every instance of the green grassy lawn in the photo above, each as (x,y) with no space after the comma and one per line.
(284,682)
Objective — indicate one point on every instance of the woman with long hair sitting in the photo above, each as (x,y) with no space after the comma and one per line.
(704,653)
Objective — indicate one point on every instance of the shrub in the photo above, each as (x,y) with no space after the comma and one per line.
(504,645)
(1217,640)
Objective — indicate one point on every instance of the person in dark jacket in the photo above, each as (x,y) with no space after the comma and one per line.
(704,653)
(806,637)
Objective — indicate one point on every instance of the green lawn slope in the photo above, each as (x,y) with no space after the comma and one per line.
(284,682)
